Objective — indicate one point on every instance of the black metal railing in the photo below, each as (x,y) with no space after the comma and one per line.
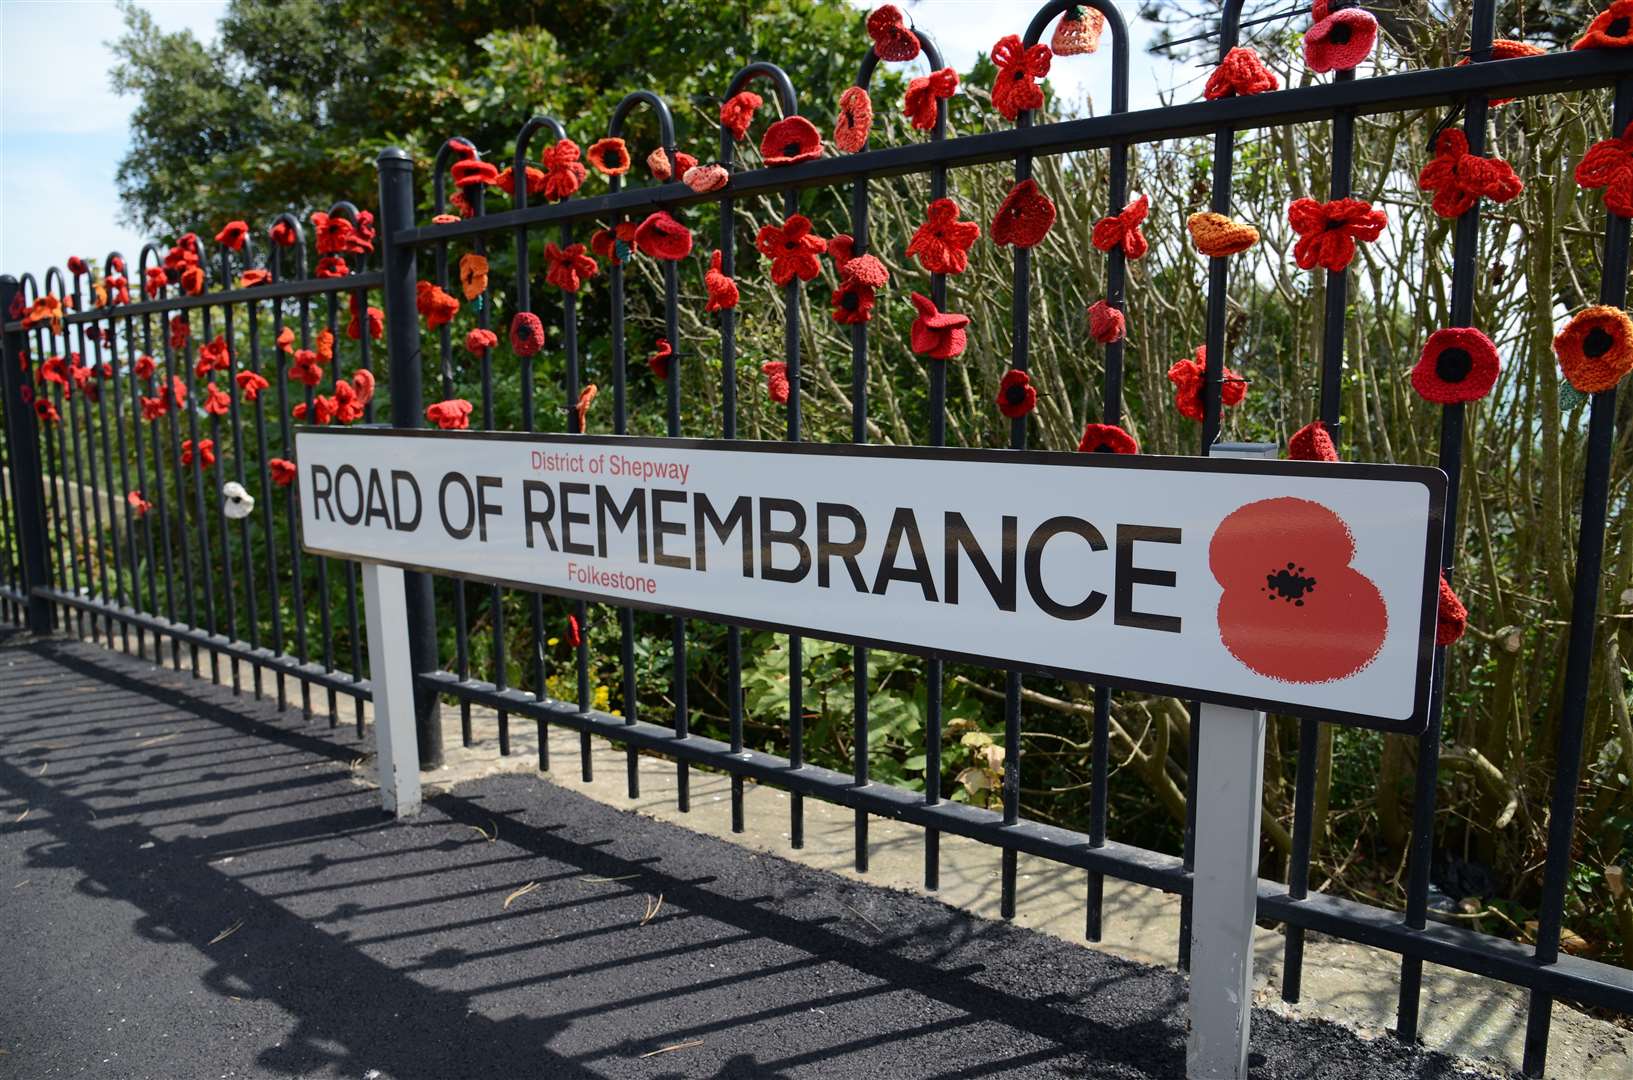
(81,557)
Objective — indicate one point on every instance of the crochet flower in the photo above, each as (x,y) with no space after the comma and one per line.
(1508,49)
(1024,217)
(1458,364)
(535,178)
(1240,74)
(77,266)
(282,233)
(1451,617)
(659,360)
(563,172)
(330,266)
(206,451)
(217,402)
(1217,236)
(852,302)
(777,386)
(321,412)
(1459,179)
(789,141)
(792,249)
(706,178)
(936,334)
(325,345)
(1106,439)
(373,316)
(479,341)
(1122,229)
(1328,231)
(1190,378)
(658,162)
(1596,348)
(1106,323)
(738,110)
(213,356)
(662,237)
(604,242)
(332,233)
(138,505)
(526,334)
(153,282)
(919,103)
(1608,164)
(1016,89)
(609,156)
(306,368)
(436,305)
(286,339)
(1312,443)
(1612,28)
(143,367)
(855,119)
(942,243)
(180,331)
(723,293)
(250,385)
(1078,31)
(233,234)
(473,275)
(1340,36)
(892,39)
(570,267)
(282,471)
(451,415)
(250,279)
(1016,394)
(473,173)
(192,279)
(586,397)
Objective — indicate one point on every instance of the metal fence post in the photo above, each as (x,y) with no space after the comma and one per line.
(23,454)
(403,351)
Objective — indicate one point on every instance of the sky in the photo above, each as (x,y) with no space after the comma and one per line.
(63,130)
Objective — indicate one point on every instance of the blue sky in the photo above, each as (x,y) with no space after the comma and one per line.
(63,130)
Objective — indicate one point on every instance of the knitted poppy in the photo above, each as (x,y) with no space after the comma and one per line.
(1190,377)
(1608,164)
(233,234)
(53,370)
(138,505)
(706,178)
(1292,606)
(1106,323)
(1458,364)
(1328,231)
(282,471)
(1451,617)
(1078,31)
(662,237)
(570,267)
(479,341)
(892,39)
(1596,348)
(1122,229)
(936,334)
(1312,443)
(46,411)
(250,279)
(436,305)
(1024,217)
(375,318)
(473,173)
(563,173)
(325,345)
(1459,179)
(473,275)
(76,266)
(841,249)
(1508,49)
(658,162)
(609,156)
(250,385)
(777,386)
(792,249)
(536,180)
(586,397)
(330,266)
(1340,36)
(1240,74)
(444,219)
(852,302)
(1217,236)
(1016,89)
(143,367)
(738,110)
(855,119)
(1016,394)
(526,334)
(789,141)
(1106,439)
(305,367)
(282,233)
(153,282)
(213,356)
(192,280)
(119,288)
(1612,28)
(659,360)
(723,293)
(286,339)
(919,103)
(206,451)
(604,242)
(942,243)
(180,331)
(217,402)
(451,415)
(464,205)
(332,233)
(321,412)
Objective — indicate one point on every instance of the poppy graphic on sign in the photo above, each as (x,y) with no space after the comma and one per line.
(1293,608)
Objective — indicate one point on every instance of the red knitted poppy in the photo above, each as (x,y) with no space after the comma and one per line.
(1016,394)
(535,179)
(1460,179)
(192,278)
(789,141)
(322,410)
(1451,618)
(473,173)
(1016,89)
(609,156)
(586,398)
(776,380)
(47,412)
(217,402)
(436,305)
(1106,323)
(330,266)
(1508,49)
(936,334)
(659,361)
(1240,74)
(480,341)
(942,243)
(919,104)
(662,237)
(375,317)
(1190,379)
(658,162)
(250,385)
(451,415)
(1339,40)
(892,39)
(852,302)
(1106,439)
(282,470)
(1024,217)
(570,267)
(1608,164)
(738,110)
(792,249)
(723,293)
(841,248)
(1122,229)
(249,279)
(1612,28)
(1457,364)
(153,282)
(282,233)
(1312,443)
(563,172)
(1328,231)
(180,331)
(526,333)
(233,234)
(855,119)
(206,451)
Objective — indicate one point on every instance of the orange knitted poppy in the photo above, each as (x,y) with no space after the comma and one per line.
(563,173)
(1508,49)
(1240,74)
(609,156)
(1595,349)
(473,275)
(1217,236)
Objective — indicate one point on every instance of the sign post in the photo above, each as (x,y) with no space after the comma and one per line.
(396,749)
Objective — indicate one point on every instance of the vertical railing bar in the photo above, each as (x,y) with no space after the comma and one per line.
(297,558)
(121,504)
(96,580)
(111,542)
(227,567)
(226,539)
(189,579)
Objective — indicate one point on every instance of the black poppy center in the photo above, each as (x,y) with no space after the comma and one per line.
(1617,27)
(1597,343)
(1333,223)
(1018,76)
(1016,394)
(849,300)
(1104,448)
(1289,585)
(1453,365)
(790,149)
(1339,35)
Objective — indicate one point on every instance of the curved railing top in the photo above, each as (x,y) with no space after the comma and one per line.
(275,260)
(524,138)
(454,144)
(1119,40)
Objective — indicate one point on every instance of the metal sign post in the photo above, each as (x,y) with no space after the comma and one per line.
(396,751)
